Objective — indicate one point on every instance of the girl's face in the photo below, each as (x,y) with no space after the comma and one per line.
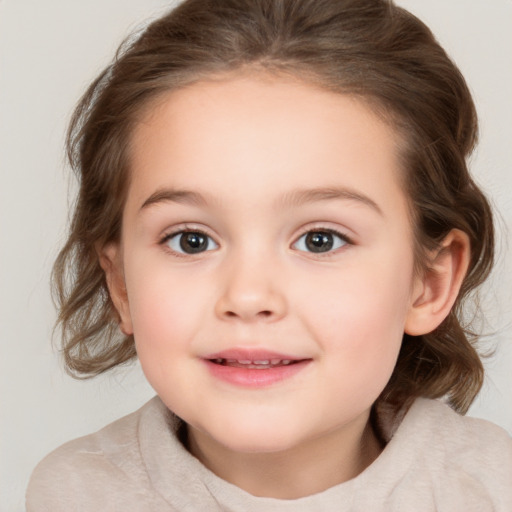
(267,255)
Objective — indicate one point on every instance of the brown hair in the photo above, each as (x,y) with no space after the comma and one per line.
(369,48)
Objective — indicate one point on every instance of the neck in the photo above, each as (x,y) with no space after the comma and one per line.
(310,468)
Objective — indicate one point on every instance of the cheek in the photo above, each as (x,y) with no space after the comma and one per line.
(165,317)
(359,321)
(165,309)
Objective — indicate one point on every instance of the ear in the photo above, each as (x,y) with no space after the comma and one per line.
(110,257)
(436,290)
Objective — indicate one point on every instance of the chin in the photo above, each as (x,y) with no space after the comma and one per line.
(256,438)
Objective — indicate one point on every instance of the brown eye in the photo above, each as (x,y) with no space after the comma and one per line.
(320,241)
(191,242)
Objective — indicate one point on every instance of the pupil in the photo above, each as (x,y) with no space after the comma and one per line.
(319,241)
(193,242)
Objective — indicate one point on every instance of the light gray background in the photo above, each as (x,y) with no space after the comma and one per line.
(49,51)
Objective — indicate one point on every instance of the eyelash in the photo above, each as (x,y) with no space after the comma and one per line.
(346,240)
(169,236)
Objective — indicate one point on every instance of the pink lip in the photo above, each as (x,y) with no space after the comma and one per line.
(254,377)
(250,354)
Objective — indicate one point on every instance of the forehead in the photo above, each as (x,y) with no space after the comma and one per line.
(258,136)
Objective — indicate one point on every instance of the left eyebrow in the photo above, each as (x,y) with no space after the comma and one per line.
(298,197)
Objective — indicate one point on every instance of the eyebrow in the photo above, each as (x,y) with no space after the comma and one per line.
(165,195)
(291,199)
(298,197)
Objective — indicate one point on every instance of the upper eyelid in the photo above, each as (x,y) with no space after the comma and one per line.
(171,232)
(334,232)
(323,227)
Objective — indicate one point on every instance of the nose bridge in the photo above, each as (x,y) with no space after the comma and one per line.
(251,288)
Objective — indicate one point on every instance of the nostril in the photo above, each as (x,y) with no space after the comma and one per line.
(262,314)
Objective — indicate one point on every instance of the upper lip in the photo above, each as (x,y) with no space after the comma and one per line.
(255,354)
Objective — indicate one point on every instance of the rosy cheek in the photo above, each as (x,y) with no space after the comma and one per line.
(166,311)
(357,316)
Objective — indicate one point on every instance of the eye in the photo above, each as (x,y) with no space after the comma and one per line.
(319,241)
(190,242)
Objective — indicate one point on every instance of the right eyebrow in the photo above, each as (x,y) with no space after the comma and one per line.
(165,195)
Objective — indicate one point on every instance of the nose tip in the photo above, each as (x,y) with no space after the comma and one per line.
(250,299)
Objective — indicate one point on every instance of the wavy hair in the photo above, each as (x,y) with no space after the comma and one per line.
(369,48)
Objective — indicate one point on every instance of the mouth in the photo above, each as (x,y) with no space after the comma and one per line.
(256,364)
(254,368)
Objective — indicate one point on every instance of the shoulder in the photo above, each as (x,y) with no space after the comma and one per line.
(462,454)
(106,463)
(461,435)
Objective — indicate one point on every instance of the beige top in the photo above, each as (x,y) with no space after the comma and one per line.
(436,460)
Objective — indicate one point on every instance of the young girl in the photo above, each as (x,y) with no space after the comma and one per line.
(275,216)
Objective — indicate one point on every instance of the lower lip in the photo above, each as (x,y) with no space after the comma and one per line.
(253,377)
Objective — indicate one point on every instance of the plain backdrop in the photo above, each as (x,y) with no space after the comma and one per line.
(49,51)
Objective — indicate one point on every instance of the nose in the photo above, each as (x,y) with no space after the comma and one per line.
(251,292)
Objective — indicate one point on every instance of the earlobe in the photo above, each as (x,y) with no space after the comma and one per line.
(111,263)
(436,291)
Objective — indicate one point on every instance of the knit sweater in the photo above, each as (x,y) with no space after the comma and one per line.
(435,460)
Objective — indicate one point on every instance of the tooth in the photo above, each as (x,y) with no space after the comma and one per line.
(230,361)
(275,361)
(286,361)
(263,361)
(245,361)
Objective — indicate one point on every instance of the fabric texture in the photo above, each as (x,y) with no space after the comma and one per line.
(435,460)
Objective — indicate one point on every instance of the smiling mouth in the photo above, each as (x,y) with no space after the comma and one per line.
(254,368)
(256,364)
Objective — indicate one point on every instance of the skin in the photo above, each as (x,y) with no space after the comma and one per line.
(248,147)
